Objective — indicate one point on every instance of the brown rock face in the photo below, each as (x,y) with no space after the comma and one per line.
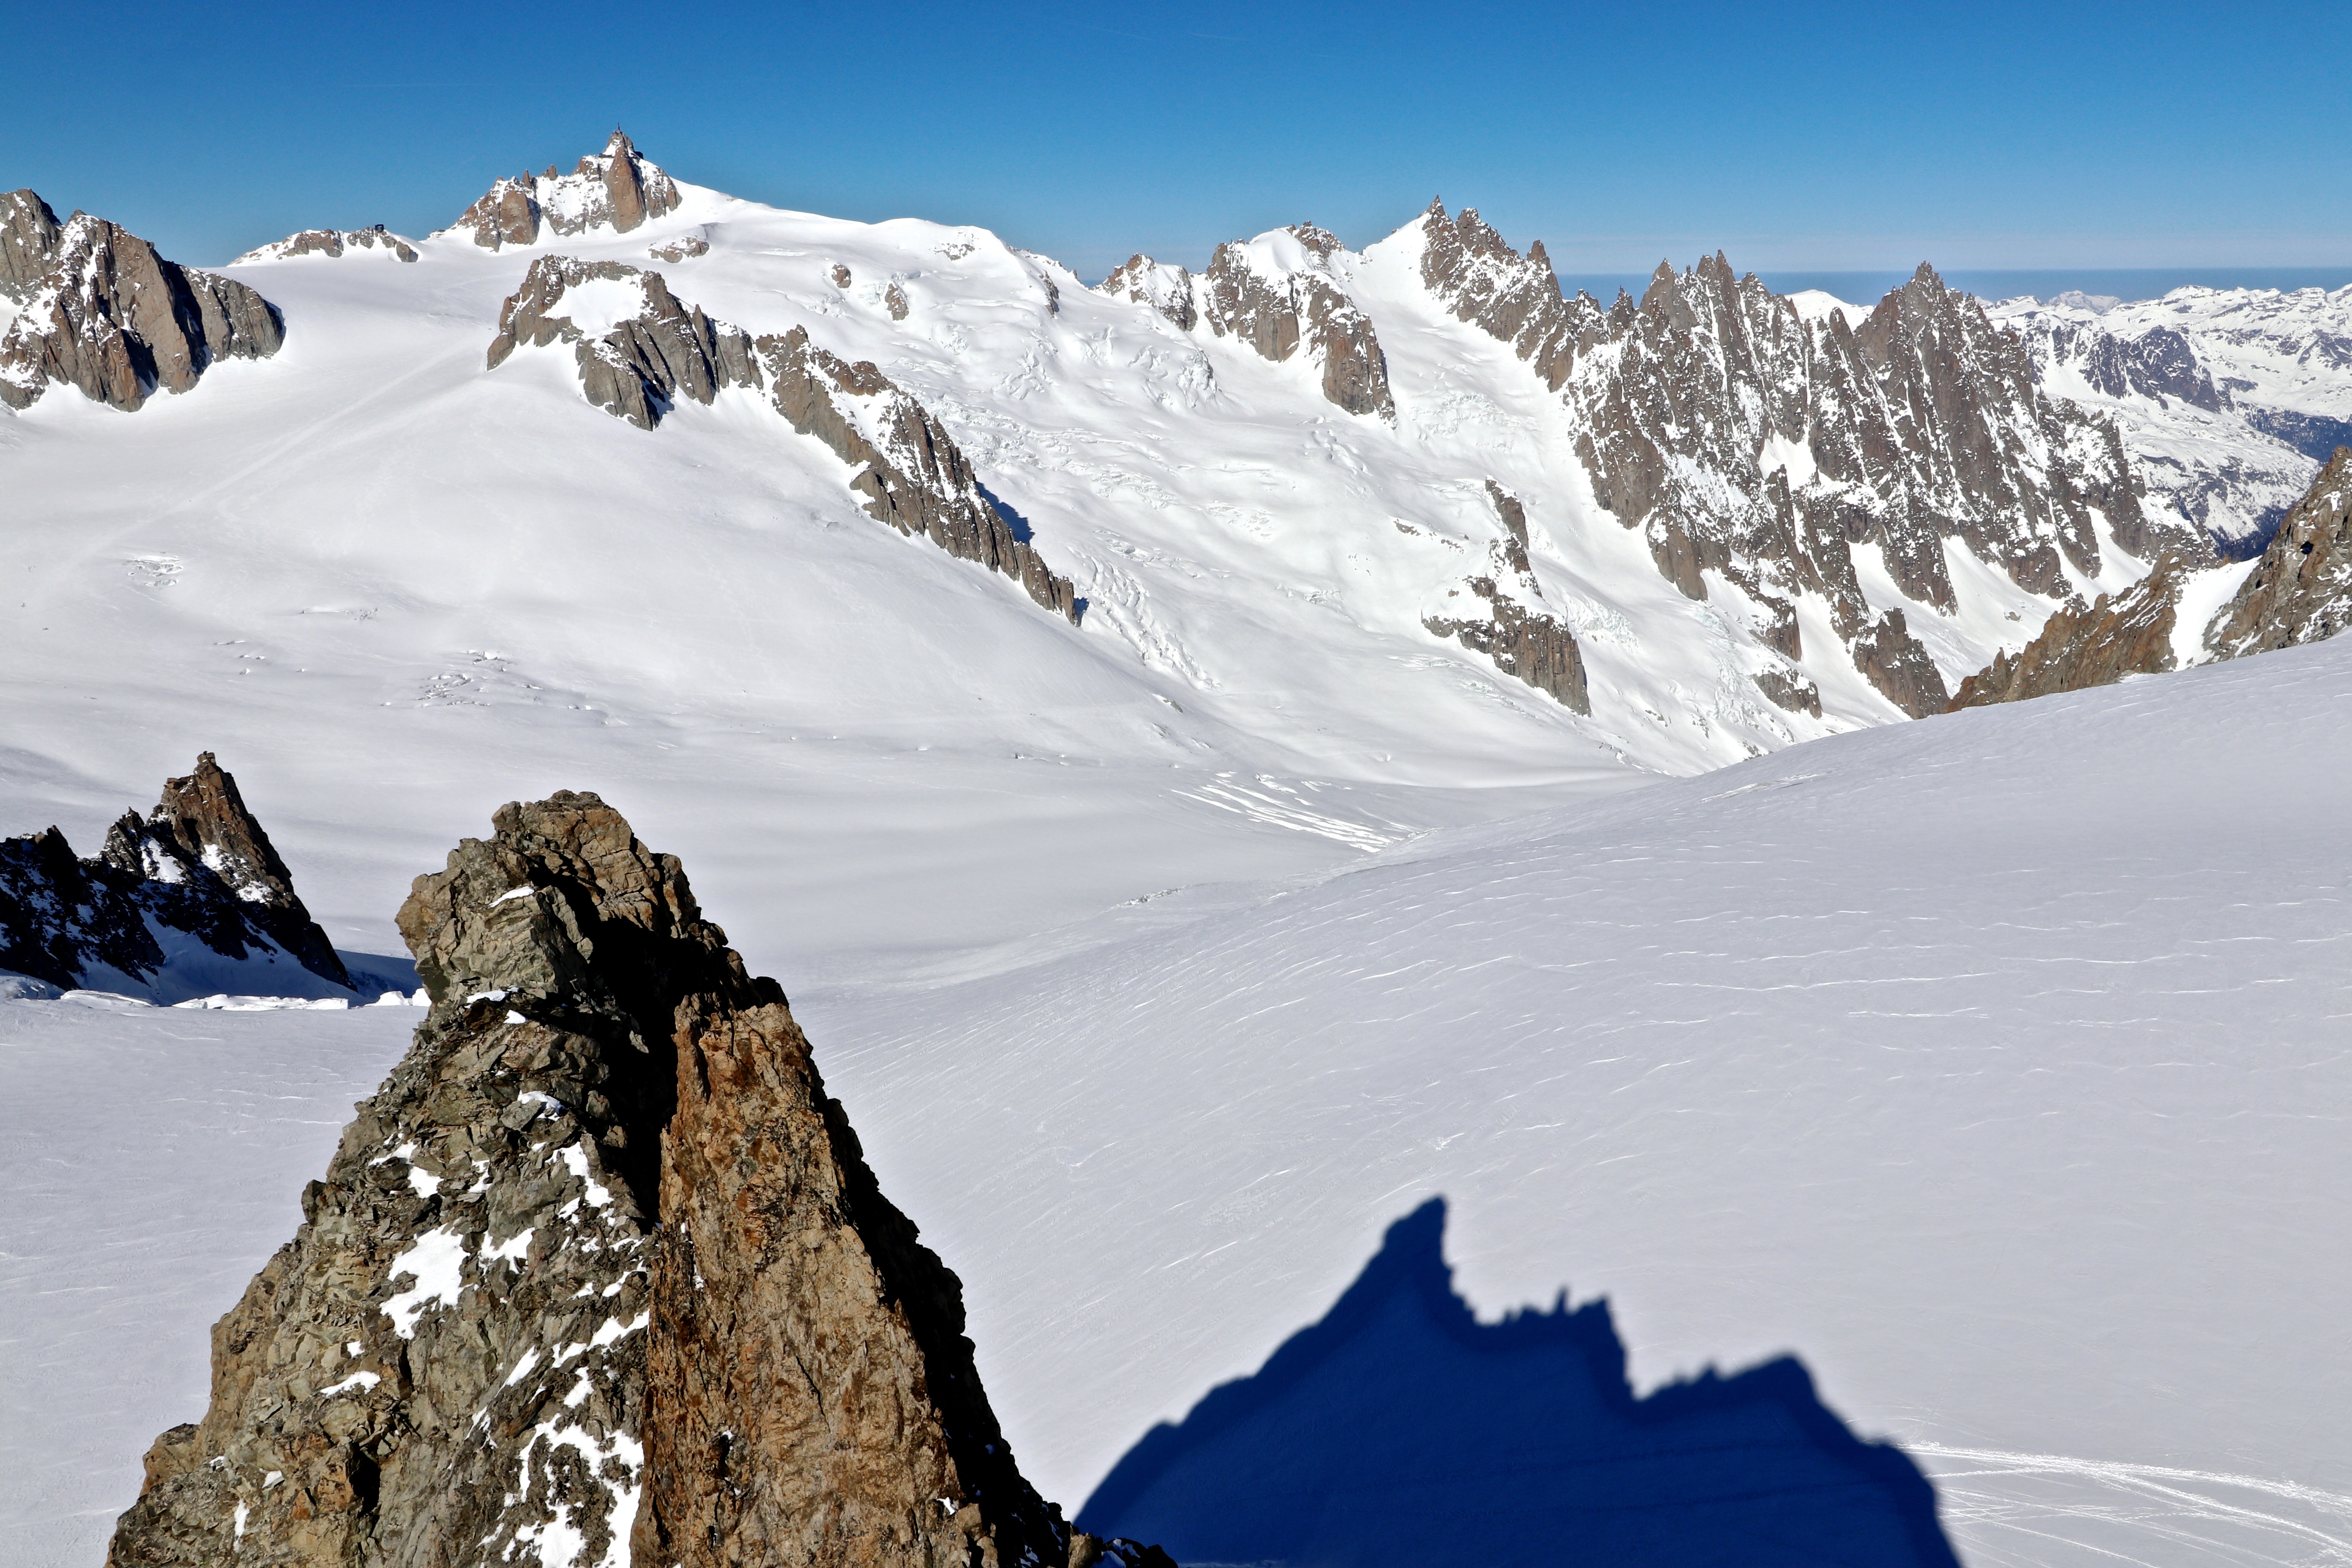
(115,320)
(598,1276)
(1516,298)
(617,189)
(1523,643)
(2301,589)
(2126,633)
(639,368)
(913,476)
(29,238)
(1276,315)
(204,818)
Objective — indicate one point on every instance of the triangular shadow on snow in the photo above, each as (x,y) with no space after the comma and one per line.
(1400,1430)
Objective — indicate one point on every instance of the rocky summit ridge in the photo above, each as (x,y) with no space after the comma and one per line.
(98,309)
(619,189)
(600,1276)
(192,895)
(910,474)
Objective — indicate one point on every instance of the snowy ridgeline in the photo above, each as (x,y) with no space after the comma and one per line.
(1983,1065)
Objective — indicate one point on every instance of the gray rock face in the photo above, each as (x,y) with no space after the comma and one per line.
(598,1276)
(913,476)
(683,249)
(199,865)
(112,318)
(1741,439)
(2301,589)
(2121,634)
(1275,314)
(617,189)
(331,242)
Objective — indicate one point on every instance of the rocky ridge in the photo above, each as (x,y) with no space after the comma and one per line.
(1278,293)
(910,473)
(617,189)
(331,242)
(2120,633)
(598,1276)
(1744,441)
(98,309)
(193,890)
(2298,590)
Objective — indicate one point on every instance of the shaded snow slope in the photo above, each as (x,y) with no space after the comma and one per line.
(1993,1064)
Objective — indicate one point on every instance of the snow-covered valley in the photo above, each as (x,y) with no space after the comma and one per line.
(1165,953)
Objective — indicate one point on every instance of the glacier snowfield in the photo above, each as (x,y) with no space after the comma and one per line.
(1995,1066)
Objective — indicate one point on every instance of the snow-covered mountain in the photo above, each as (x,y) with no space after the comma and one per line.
(2228,399)
(1352,538)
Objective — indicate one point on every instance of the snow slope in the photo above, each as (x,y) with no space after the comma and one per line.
(1993,1064)
(391,586)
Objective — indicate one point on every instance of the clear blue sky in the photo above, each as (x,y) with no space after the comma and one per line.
(1821,137)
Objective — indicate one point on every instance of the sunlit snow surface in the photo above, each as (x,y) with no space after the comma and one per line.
(1995,1065)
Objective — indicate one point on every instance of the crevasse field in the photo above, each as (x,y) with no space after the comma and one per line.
(1994,1065)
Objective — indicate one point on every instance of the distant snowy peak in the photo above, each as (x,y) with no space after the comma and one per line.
(1167,289)
(101,310)
(191,900)
(330,242)
(618,189)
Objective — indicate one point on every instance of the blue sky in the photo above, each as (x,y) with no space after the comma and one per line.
(1827,138)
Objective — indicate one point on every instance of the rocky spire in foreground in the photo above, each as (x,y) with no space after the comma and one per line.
(103,311)
(199,867)
(598,1277)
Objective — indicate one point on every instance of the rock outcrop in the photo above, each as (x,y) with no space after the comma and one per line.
(912,475)
(599,1276)
(2300,590)
(176,904)
(2119,634)
(1167,289)
(1278,293)
(639,367)
(1743,440)
(617,189)
(1523,641)
(332,242)
(101,310)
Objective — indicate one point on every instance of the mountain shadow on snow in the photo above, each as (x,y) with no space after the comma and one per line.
(1401,1430)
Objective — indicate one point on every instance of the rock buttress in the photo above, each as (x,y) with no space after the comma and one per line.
(481,1348)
